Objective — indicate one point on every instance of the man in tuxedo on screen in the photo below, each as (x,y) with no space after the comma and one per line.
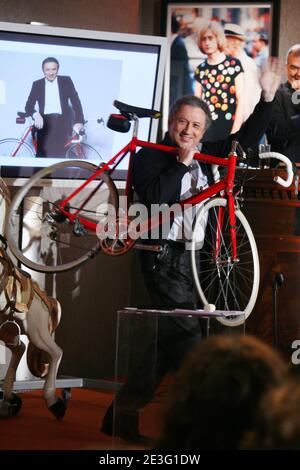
(57,100)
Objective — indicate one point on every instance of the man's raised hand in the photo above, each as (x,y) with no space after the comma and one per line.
(270,78)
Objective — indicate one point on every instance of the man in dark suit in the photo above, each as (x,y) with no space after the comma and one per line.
(53,120)
(159,178)
(181,82)
(283,132)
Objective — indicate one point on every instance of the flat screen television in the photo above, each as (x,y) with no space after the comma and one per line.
(103,67)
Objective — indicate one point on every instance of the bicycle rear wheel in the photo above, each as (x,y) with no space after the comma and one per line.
(50,241)
(15,148)
(83,151)
(229,285)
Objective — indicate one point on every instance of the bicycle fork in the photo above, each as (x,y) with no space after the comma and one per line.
(225,256)
(231,217)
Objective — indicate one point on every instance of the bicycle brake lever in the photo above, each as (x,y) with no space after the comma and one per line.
(234,145)
(242,152)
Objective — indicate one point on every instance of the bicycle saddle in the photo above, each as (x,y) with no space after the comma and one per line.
(139,112)
(21,117)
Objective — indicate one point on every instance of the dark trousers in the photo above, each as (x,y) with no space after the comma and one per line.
(170,284)
(51,139)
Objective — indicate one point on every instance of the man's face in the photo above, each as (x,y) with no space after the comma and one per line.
(233,45)
(50,70)
(209,42)
(188,126)
(293,68)
(257,45)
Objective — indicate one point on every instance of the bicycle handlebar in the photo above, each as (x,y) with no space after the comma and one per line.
(21,117)
(77,137)
(289,167)
(22,114)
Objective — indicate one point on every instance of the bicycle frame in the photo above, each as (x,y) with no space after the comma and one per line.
(78,137)
(74,139)
(88,220)
(225,184)
(23,139)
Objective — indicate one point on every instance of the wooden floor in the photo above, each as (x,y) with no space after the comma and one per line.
(36,428)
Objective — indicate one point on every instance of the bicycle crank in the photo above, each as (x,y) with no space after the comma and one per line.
(118,241)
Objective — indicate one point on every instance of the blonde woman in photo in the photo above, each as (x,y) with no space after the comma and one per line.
(219,82)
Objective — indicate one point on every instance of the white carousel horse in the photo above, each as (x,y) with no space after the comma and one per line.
(26,309)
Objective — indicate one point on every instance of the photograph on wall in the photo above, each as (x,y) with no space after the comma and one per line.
(218,52)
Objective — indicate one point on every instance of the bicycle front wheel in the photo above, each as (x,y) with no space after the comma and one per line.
(15,148)
(50,242)
(83,151)
(231,285)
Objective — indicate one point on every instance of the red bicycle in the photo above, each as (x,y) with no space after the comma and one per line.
(26,145)
(61,219)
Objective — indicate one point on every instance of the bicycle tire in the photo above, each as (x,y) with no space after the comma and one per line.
(230,286)
(83,151)
(50,245)
(9,146)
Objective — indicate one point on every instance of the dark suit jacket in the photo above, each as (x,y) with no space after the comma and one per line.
(67,94)
(181,82)
(284,129)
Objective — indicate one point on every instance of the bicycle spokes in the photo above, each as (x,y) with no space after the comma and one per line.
(57,220)
(227,280)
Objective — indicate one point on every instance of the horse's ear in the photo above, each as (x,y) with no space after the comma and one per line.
(3,241)
(4,189)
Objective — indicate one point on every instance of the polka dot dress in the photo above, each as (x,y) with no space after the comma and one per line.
(218,89)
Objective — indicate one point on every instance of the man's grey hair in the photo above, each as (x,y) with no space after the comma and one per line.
(293,50)
(194,101)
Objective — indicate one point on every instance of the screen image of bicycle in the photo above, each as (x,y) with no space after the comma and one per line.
(57,88)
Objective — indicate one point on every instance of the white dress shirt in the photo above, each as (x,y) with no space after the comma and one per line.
(192,182)
(52,99)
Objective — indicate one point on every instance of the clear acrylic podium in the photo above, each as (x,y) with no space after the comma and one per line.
(137,332)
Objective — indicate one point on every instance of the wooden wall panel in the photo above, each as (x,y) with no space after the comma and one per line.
(273,214)
(102,15)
